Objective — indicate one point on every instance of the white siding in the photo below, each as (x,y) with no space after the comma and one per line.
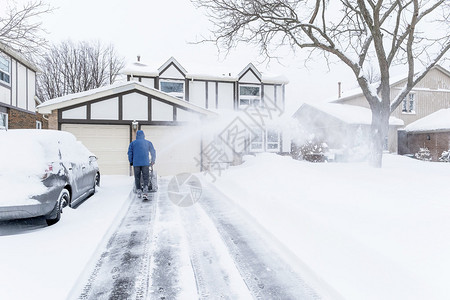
(148,81)
(279,94)
(135,107)
(5,95)
(197,93)
(249,77)
(105,110)
(13,82)
(31,90)
(22,86)
(211,95)
(161,111)
(75,113)
(225,94)
(269,94)
(185,116)
(172,72)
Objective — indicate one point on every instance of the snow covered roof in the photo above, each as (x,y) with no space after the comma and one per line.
(19,57)
(349,114)
(436,121)
(110,90)
(357,92)
(140,69)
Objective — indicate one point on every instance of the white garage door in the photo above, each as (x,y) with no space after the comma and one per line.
(178,148)
(108,142)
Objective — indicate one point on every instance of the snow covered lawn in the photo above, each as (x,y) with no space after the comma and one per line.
(368,233)
(45,263)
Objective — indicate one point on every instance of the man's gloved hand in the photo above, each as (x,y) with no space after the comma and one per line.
(131,164)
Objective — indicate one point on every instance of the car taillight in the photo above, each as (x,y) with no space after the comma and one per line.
(48,171)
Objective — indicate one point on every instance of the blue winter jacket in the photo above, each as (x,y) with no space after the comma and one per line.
(139,149)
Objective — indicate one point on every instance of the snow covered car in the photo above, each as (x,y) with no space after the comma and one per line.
(43,171)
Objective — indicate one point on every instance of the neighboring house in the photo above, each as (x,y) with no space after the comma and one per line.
(172,106)
(432,132)
(343,128)
(18,92)
(431,94)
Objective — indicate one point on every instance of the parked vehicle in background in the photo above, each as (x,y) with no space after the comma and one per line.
(43,171)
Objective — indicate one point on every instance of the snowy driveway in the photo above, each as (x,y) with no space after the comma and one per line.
(208,250)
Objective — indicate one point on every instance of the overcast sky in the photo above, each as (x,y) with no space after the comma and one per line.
(157,30)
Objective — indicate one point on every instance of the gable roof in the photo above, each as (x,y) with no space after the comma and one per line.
(253,69)
(17,56)
(349,114)
(111,90)
(170,61)
(437,121)
(138,68)
(357,92)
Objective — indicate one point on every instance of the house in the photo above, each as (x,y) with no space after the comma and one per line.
(172,106)
(18,92)
(431,94)
(432,132)
(343,128)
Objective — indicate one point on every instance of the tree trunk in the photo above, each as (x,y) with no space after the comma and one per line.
(380,127)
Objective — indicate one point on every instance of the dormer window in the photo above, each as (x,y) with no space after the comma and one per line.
(5,70)
(249,95)
(172,87)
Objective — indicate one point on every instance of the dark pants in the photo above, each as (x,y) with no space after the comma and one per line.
(138,170)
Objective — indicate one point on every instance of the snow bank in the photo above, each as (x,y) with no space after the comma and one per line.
(369,233)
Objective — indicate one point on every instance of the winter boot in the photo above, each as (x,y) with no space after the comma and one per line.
(139,193)
(145,194)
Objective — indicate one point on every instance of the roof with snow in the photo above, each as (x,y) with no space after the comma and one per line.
(111,90)
(140,69)
(18,56)
(349,114)
(357,92)
(437,121)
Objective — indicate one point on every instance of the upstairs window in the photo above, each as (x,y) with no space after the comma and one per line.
(409,104)
(3,121)
(249,95)
(172,87)
(5,69)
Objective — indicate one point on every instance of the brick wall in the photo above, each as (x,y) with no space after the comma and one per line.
(436,142)
(18,119)
(53,120)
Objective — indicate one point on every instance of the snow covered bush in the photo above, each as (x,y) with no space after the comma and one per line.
(313,151)
(445,156)
(423,154)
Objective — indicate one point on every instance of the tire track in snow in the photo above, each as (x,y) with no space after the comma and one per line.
(121,271)
(266,275)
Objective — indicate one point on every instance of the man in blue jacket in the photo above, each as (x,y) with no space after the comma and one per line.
(138,157)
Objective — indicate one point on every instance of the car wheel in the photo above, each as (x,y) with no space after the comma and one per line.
(63,201)
(97,179)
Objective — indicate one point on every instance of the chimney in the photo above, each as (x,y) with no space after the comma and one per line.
(339,89)
(138,58)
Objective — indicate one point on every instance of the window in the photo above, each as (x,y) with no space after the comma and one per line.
(256,140)
(172,87)
(38,125)
(249,95)
(409,104)
(5,72)
(3,121)
(273,140)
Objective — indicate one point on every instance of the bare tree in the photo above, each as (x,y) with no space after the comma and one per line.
(356,32)
(71,68)
(21,26)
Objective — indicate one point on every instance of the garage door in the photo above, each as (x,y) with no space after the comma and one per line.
(108,142)
(177,148)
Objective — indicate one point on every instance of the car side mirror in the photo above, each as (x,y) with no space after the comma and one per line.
(92,159)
